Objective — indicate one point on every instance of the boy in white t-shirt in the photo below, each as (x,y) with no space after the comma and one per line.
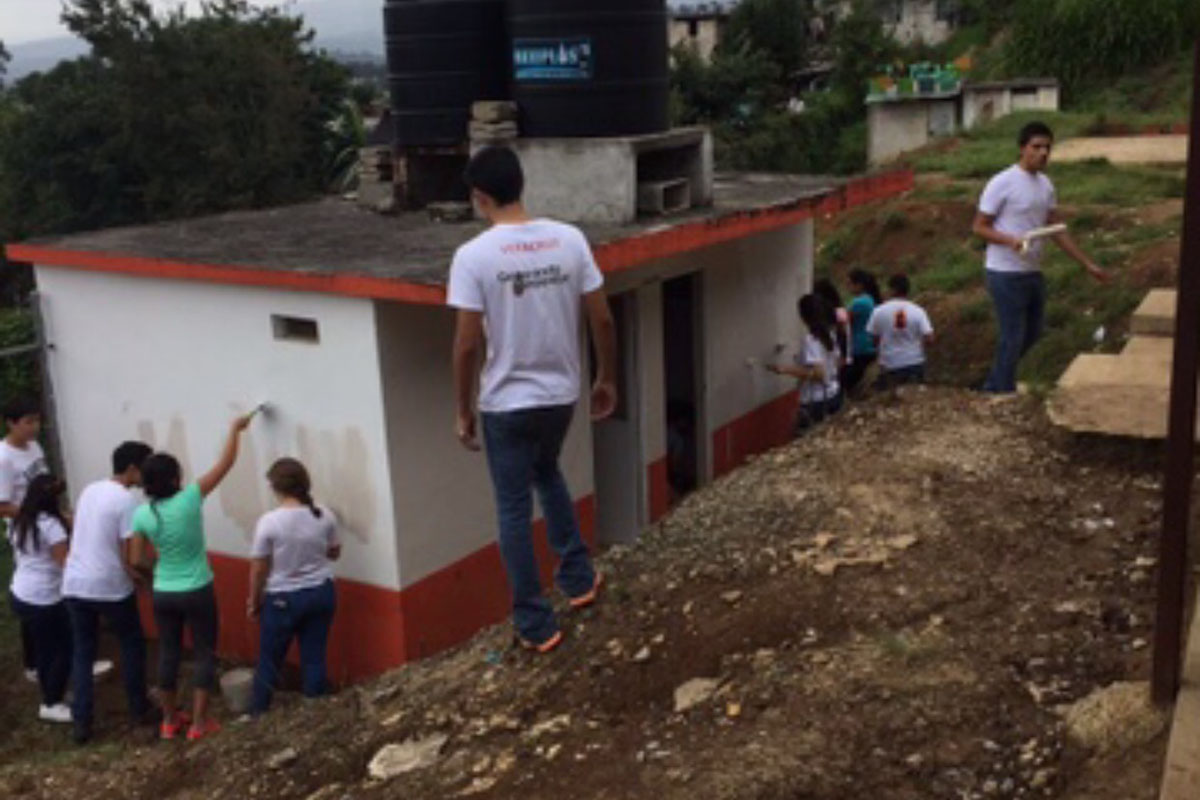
(21,460)
(902,331)
(520,288)
(1015,202)
(98,583)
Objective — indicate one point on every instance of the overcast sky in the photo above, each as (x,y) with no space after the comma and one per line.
(27,20)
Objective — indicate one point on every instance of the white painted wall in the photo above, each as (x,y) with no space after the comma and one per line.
(750,312)
(172,362)
(985,103)
(894,128)
(918,23)
(444,505)
(704,40)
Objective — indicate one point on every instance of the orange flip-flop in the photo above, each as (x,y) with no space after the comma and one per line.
(542,647)
(587,598)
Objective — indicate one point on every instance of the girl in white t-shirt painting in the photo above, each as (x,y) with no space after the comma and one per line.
(39,540)
(291,582)
(817,364)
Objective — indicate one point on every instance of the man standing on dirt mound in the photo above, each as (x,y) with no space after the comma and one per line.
(1019,202)
(519,288)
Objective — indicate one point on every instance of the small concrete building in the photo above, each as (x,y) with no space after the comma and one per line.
(900,123)
(912,21)
(698,25)
(985,101)
(336,316)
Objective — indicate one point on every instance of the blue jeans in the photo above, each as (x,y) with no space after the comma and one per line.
(50,628)
(891,378)
(1020,300)
(122,617)
(303,614)
(522,453)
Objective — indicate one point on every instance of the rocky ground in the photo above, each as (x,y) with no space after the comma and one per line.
(935,596)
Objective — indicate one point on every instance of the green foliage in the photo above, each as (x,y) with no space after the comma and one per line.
(4,59)
(170,116)
(777,28)
(738,83)
(19,375)
(1085,43)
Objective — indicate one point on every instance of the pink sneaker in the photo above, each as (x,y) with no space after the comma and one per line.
(206,728)
(587,598)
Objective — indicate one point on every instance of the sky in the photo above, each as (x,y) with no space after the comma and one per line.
(29,20)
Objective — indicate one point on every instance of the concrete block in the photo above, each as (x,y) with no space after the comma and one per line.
(494,111)
(1156,314)
(664,197)
(596,180)
(492,131)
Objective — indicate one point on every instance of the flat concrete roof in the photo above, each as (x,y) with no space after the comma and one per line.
(333,245)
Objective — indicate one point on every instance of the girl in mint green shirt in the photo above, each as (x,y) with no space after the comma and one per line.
(173,522)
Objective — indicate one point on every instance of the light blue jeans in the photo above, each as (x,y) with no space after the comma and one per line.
(522,452)
(1020,300)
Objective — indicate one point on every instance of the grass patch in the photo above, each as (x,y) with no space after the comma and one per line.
(953,268)
(986,150)
(1097,182)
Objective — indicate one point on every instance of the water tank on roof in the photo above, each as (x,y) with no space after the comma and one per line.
(442,56)
(589,67)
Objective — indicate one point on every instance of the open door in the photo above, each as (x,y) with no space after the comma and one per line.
(684,412)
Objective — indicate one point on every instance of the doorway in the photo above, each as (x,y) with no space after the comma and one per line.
(683,378)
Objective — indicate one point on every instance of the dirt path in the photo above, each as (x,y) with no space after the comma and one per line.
(898,607)
(1169,149)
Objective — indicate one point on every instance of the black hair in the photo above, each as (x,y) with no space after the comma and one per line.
(898,283)
(289,478)
(129,454)
(1033,130)
(814,310)
(867,281)
(15,408)
(496,171)
(825,289)
(160,479)
(43,496)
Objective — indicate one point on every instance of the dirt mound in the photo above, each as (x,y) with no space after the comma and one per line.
(892,608)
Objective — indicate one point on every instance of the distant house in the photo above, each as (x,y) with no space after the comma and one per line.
(701,24)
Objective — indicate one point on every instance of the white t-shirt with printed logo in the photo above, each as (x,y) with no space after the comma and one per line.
(19,466)
(527,279)
(901,326)
(103,520)
(815,354)
(37,578)
(1019,201)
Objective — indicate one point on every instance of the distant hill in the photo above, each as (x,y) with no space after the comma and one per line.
(347,28)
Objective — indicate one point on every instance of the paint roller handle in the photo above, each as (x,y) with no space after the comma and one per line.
(240,424)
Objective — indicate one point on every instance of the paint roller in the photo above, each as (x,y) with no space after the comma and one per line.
(264,408)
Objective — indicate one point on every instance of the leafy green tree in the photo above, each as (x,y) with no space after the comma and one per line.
(4,59)
(170,116)
(779,28)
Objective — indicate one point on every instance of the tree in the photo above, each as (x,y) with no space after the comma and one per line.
(170,116)
(778,28)
(4,59)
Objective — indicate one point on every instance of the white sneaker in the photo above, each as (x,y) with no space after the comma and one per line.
(101,668)
(31,675)
(54,713)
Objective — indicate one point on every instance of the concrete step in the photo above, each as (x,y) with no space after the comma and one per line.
(1156,315)
(1127,394)
(1160,349)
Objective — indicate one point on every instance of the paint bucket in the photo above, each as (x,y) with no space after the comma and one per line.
(237,687)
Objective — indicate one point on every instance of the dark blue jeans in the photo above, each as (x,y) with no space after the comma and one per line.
(1020,300)
(522,452)
(306,615)
(50,628)
(122,618)
(890,379)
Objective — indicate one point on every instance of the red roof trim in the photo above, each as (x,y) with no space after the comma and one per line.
(612,257)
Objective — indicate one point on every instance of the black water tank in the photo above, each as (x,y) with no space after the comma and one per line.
(589,67)
(442,56)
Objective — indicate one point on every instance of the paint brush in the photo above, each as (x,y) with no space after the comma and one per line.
(263,408)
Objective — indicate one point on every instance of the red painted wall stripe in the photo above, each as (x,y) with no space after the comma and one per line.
(659,489)
(767,426)
(376,629)
(612,256)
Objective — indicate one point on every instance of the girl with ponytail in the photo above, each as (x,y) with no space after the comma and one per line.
(291,582)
